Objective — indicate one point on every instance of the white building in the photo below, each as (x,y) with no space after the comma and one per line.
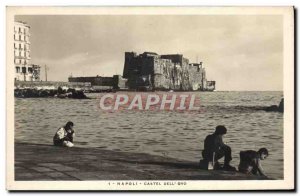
(24,71)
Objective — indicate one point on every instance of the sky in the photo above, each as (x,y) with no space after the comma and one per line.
(239,52)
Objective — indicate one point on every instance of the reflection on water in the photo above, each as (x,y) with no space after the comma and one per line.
(172,134)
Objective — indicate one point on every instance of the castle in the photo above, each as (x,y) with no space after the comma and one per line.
(150,71)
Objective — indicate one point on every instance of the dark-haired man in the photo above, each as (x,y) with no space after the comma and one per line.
(250,161)
(215,149)
(64,135)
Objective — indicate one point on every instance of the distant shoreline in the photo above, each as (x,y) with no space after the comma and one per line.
(56,84)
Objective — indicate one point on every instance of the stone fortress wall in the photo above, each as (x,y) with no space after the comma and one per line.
(150,71)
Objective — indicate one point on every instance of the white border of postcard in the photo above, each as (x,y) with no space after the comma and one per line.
(288,65)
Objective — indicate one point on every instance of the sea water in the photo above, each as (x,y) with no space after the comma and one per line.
(167,133)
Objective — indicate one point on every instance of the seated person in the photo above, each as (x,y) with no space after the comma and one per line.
(250,161)
(64,135)
(215,149)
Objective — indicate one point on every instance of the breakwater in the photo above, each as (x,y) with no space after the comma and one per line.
(50,89)
(57,93)
(51,84)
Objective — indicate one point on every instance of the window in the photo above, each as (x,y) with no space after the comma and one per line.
(23,69)
(17,69)
(30,70)
(19,29)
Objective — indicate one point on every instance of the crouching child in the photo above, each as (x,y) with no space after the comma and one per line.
(64,135)
(250,161)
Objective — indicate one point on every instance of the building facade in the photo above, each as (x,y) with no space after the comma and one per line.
(24,71)
(150,71)
(95,81)
(116,82)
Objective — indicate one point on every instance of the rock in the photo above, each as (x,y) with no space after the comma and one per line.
(275,108)
(281,106)
(78,95)
(52,93)
(60,90)
(71,90)
(61,96)
(43,93)
(59,93)
(272,108)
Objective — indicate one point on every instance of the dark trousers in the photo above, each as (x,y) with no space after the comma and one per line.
(223,151)
(58,142)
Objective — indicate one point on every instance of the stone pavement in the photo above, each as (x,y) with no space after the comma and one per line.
(47,162)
